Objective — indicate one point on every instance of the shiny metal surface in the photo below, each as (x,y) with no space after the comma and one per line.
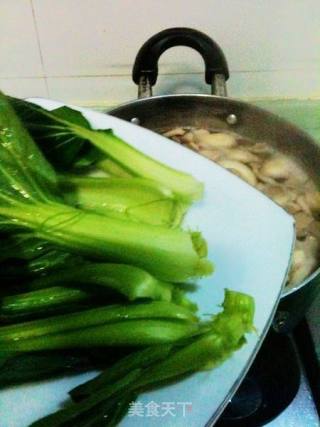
(161,113)
(144,88)
(218,86)
(232,119)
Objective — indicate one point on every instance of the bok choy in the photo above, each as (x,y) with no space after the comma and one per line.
(136,199)
(29,199)
(127,280)
(100,266)
(69,128)
(98,399)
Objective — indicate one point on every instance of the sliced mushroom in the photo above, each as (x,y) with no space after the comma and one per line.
(176,139)
(214,155)
(198,134)
(239,169)
(187,138)
(261,148)
(278,193)
(255,166)
(304,260)
(301,200)
(276,175)
(292,208)
(303,222)
(216,140)
(240,155)
(299,268)
(314,229)
(266,180)
(178,131)
(245,142)
(193,146)
(260,186)
(282,168)
(312,198)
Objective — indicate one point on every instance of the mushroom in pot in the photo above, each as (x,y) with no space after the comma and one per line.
(240,155)
(304,260)
(239,169)
(215,140)
(282,168)
(275,174)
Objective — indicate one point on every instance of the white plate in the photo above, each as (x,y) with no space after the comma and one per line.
(250,241)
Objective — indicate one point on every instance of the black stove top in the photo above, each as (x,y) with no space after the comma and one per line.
(282,388)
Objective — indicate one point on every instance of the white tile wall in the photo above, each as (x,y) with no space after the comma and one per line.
(24,87)
(112,90)
(19,50)
(82,50)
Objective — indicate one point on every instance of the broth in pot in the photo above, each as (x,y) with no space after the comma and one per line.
(277,175)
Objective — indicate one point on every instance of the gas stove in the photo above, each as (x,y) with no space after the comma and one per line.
(282,388)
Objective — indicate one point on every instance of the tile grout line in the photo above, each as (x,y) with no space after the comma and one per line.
(39,46)
(163,74)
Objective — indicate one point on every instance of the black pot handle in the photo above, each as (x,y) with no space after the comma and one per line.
(145,69)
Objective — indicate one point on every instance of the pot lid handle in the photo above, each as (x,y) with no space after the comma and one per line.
(145,69)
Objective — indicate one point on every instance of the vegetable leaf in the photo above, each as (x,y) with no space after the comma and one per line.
(64,126)
(24,174)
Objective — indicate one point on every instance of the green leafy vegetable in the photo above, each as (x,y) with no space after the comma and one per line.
(55,259)
(110,325)
(75,247)
(112,168)
(65,126)
(24,257)
(137,199)
(135,360)
(130,281)
(20,178)
(225,335)
(22,246)
(169,254)
(38,301)
(37,366)
(69,414)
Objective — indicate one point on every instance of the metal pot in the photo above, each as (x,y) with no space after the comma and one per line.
(216,111)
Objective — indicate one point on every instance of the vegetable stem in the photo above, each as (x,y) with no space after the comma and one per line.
(172,255)
(134,199)
(132,282)
(40,300)
(183,184)
(86,323)
(138,359)
(140,332)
